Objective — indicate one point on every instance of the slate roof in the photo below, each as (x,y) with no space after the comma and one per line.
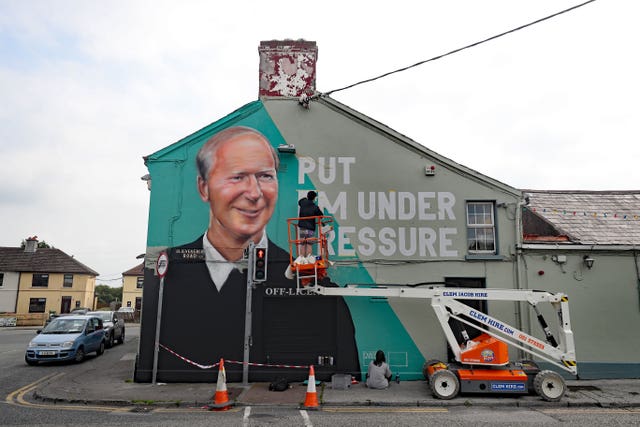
(588,217)
(43,260)
(138,270)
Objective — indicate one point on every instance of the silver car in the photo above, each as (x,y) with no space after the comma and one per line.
(113,326)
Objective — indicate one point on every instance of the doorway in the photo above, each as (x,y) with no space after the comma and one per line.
(65,305)
(479,305)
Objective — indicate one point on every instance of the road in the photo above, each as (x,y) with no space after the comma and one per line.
(15,374)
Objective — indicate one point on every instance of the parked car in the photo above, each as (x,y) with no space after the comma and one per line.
(80,310)
(113,326)
(67,338)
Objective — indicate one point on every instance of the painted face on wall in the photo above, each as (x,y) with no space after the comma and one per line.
(242,191)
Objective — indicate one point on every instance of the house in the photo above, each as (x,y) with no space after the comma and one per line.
(587,244)
(43,280)
(403,215)
(132,288)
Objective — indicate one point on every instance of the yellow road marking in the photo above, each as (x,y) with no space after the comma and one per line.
(17,398)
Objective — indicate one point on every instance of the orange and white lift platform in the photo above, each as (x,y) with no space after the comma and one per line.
(309,269)
(481,364)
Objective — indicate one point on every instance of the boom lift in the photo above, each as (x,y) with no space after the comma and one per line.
(481,364)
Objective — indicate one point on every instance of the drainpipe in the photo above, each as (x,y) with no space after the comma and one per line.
(518,253)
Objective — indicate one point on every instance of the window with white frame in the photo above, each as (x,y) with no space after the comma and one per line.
(481,230)
(139,282)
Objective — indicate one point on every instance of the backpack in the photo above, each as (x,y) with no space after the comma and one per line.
(279,384)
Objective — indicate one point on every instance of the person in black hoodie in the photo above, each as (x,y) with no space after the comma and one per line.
(307,225)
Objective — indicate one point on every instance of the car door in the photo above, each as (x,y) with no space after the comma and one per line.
(94,334)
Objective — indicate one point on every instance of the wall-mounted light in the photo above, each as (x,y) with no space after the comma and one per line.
(286,148)
(588,261)
(147,179)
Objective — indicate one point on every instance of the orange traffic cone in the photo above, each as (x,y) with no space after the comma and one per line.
(311,401)
(221,399)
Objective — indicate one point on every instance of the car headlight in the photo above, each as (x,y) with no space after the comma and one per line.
(32,344)
(67,344)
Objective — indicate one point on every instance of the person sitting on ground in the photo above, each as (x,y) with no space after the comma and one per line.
(378,373)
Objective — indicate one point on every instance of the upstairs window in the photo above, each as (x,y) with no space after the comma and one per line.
(139,282)
(481,230)
(1,279)
(68,281)
(40,280)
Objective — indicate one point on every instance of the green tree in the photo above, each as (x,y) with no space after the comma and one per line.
(107,294)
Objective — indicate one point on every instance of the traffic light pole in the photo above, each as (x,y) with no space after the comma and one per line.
(248,315)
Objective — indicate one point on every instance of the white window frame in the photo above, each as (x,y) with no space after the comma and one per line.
(481,227)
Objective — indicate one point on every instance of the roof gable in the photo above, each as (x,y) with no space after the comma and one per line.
(43,260)
(416,146)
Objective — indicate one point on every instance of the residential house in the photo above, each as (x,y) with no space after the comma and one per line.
(403,215)
(132,288)
(587,244)
(43,280)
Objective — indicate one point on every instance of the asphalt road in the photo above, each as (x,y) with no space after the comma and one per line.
(15,374)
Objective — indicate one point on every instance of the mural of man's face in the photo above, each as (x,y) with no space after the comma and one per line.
(241,189)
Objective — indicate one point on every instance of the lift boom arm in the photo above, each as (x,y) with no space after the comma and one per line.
(446,302)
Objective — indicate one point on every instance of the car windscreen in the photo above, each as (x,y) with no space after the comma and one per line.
(104,315)
(64,326)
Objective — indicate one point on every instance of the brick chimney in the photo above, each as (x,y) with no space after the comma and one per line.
(31,244)
(287,68)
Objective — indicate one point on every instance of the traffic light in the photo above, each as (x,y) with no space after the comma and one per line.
(259,264)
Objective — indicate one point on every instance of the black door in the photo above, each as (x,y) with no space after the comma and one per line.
(480,305)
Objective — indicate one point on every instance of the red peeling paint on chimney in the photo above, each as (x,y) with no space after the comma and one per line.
(287,68)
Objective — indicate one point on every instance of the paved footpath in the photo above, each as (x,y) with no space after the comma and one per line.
(113,386)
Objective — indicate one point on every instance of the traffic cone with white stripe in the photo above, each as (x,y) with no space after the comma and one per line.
(311,401)
(221,399)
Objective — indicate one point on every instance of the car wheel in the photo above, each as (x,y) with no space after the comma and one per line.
(79,355)
(121,339)
(100,349)
(110,341)
(30,362)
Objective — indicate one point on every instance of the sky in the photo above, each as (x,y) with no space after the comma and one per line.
(90,87)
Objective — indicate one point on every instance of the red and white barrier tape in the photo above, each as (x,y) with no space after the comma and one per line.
(191,362)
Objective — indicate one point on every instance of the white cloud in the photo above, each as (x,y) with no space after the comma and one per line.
(90,87)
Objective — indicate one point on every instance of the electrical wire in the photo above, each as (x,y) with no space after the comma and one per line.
(537,21)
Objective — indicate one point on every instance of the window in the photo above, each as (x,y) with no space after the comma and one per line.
(37,305)
(1,279)
(481,232)
(40,280)
(68,281)
(139,282)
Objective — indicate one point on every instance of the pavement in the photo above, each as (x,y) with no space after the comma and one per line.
(107,381)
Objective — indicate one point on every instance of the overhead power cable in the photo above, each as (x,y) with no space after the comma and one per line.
(537,21)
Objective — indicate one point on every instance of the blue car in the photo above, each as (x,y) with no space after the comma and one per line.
(67,338)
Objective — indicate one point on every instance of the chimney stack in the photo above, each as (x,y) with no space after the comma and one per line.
(287,68)
(31,244)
